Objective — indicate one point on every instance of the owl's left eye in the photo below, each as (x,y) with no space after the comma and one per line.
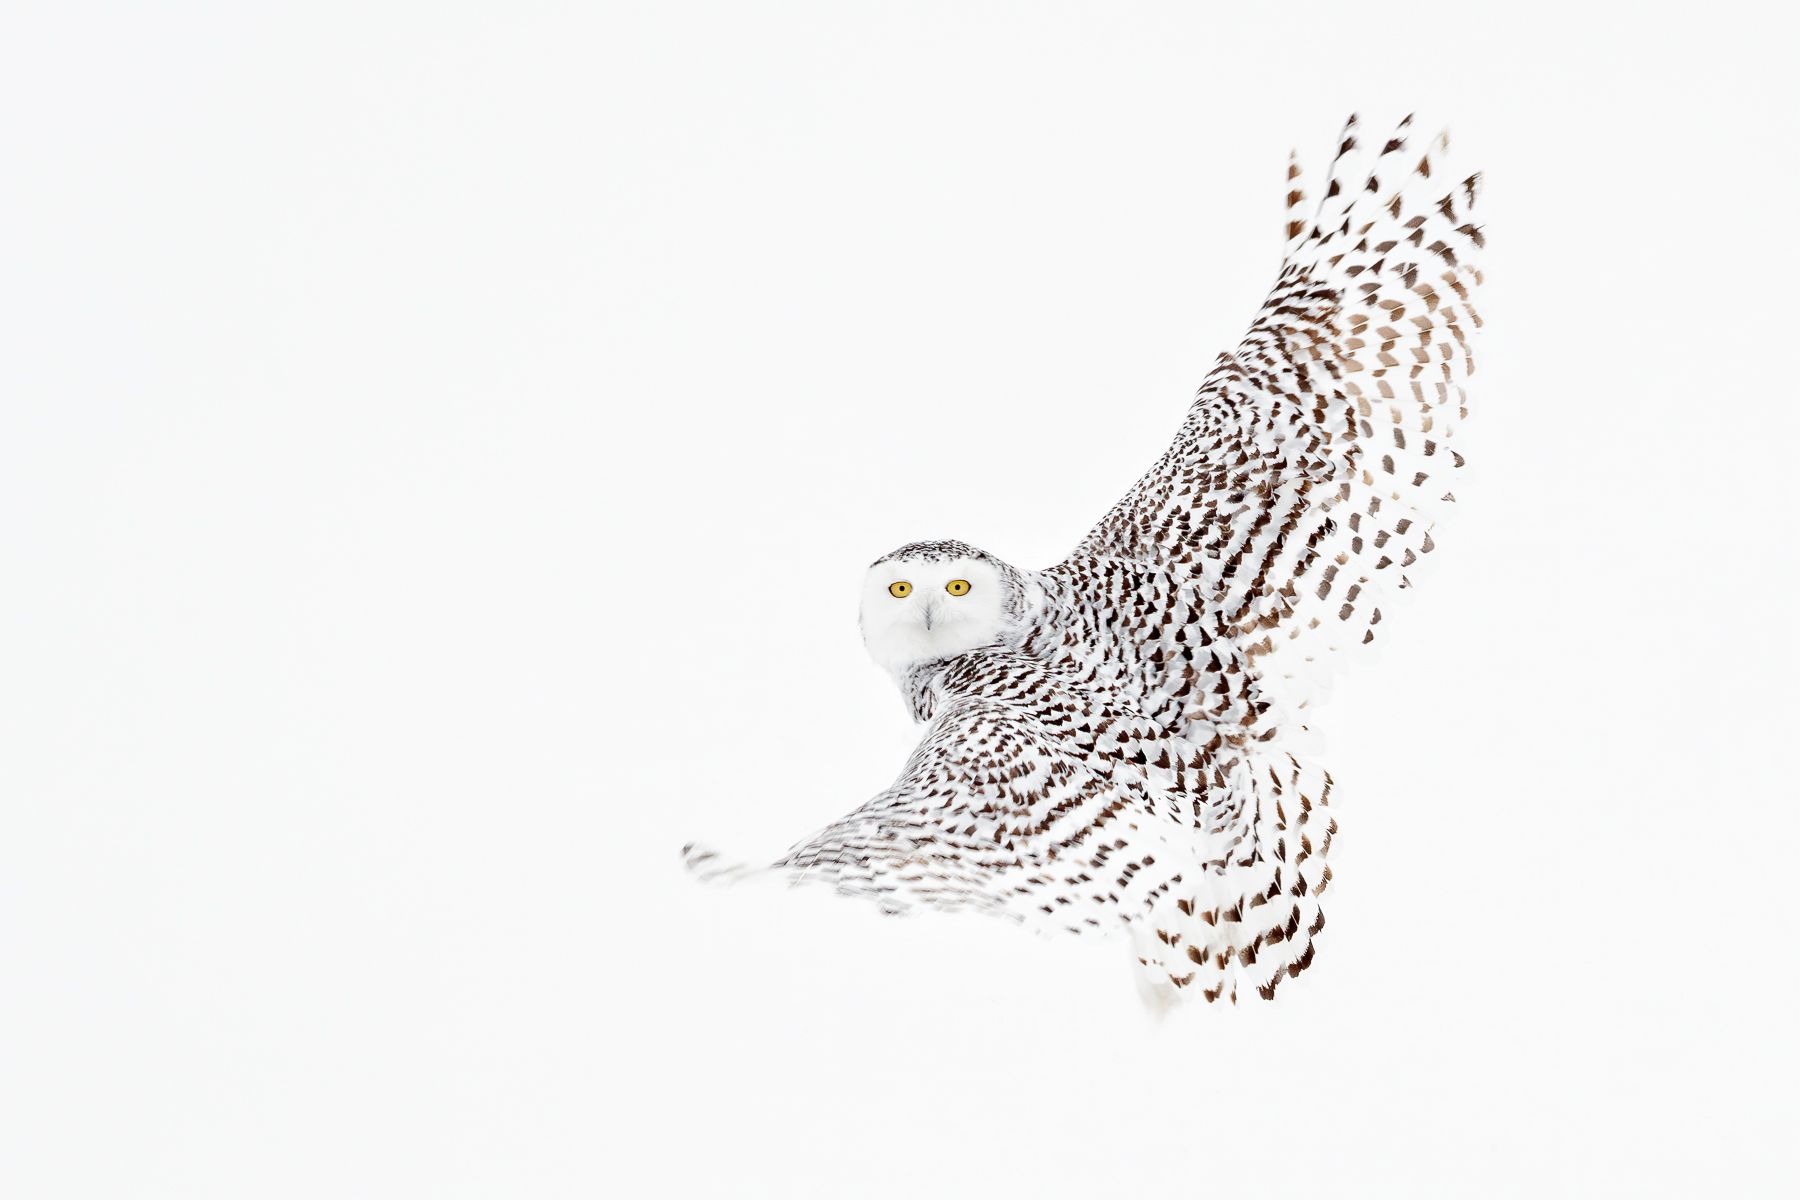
(957,587)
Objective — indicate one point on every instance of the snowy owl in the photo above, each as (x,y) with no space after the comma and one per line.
(1110,743)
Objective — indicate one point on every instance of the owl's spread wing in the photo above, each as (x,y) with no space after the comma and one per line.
(1030,798)
(1016,803)
(1303,481)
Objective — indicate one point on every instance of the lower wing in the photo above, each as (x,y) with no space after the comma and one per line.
(1065,813)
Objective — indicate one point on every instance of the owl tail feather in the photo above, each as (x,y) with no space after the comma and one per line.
(1251,927)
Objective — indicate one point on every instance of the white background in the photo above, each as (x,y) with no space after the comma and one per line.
(439,448)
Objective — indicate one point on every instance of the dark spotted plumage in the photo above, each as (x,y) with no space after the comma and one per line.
(1116,757)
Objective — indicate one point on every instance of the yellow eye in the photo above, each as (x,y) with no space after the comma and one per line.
(900,590)
(957,587)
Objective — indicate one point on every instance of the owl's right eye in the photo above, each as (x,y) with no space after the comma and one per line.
(900,589)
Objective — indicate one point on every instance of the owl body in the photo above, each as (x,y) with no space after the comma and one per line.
(1110,743)
(1153,636)
(1097,767)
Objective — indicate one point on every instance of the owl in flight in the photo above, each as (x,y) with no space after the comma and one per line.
(1109,743)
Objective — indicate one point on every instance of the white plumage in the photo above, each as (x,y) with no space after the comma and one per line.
(1109,742)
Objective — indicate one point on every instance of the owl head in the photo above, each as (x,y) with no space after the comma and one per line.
(932,600)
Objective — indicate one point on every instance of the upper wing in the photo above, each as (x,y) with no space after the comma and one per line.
(1302,484)
(1030,798)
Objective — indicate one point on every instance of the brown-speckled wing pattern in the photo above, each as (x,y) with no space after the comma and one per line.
(1124,764)
(1303,484)
(1035,797)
